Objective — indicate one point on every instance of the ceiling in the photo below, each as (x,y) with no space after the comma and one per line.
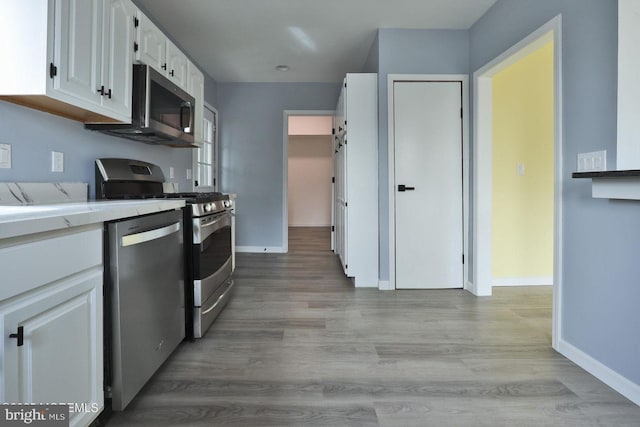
(320,40)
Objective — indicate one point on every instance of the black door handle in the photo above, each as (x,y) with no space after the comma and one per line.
(403,187)
(19,336)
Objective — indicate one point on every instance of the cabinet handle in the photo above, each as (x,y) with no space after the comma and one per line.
(109,94)
(19,336)
(172,74)
(101,90)
(164,66)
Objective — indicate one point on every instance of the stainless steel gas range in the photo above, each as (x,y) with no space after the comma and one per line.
(205,268)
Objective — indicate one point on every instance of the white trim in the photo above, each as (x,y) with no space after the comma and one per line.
(469,287)
(285,166)
(194,153)
(523,281)
(261,249)
(619,383)
(482,189)
(464,79)
(385,285)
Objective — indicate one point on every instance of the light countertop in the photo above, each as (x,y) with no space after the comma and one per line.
(21,220)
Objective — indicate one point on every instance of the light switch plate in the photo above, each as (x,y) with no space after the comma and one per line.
(594,161)
(57,161)
(188,173)
(171,172)
(5,156)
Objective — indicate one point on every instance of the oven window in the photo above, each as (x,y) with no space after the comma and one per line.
(215,251)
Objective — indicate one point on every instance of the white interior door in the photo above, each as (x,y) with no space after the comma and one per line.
(428,163)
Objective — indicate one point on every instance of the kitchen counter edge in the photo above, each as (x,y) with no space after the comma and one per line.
(22,220)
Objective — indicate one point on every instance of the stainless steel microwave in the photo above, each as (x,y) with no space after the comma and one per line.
(162,113)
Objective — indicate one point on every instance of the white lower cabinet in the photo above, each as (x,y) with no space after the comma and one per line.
(52,346)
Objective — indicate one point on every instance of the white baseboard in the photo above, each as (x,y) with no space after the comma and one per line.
(468,286)
(622,385)
(471,287)
(523,281)
(365,284)
(385,285)
(260,249)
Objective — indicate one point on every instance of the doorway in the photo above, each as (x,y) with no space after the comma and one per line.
(428,180)
(482,273)
(307,188)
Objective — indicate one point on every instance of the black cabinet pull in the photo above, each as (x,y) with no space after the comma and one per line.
(164,66)
(172,74)
(19,336)
(109,94)
(403,187)
(101,90)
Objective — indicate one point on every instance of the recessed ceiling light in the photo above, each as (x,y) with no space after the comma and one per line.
(282,68)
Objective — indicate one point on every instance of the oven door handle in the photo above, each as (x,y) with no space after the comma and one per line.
(214,222)
(202,231)
(146,236)
(229,286)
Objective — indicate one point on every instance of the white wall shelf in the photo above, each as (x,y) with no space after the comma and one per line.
(618,184)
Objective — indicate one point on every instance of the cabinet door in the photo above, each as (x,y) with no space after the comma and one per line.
(151,44)
(118,57)
(176,65)
(195,87)
(60,360)
(77,49)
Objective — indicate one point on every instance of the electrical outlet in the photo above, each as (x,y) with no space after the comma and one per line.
(188,173)
(594,161)
(57,161)
(520,169)
(171,172)
(5,156)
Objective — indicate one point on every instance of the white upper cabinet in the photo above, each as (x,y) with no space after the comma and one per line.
(157,51)
(176,65)
(118,36)
(64,50)
(151,44)
(77,58)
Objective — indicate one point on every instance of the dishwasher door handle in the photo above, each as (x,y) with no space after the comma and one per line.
(146,236)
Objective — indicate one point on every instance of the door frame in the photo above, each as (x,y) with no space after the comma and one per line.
(216,152)
(481,283)
(285,167)
(464,79)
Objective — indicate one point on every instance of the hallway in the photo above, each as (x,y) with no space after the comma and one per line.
(298,345)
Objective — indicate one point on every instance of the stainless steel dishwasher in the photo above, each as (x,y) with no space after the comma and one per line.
(145,292)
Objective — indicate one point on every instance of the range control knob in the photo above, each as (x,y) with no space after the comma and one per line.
(208,207)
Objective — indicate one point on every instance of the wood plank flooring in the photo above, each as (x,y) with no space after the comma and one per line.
(299,346)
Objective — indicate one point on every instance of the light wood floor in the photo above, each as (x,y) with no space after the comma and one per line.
(298,345)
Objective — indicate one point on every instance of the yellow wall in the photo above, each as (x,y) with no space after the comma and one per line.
(523,134)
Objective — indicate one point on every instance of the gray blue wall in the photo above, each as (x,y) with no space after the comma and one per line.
(251,150)
(601,238)
(34,134)
(410,52)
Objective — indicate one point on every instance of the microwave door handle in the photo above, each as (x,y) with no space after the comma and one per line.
(186,106)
